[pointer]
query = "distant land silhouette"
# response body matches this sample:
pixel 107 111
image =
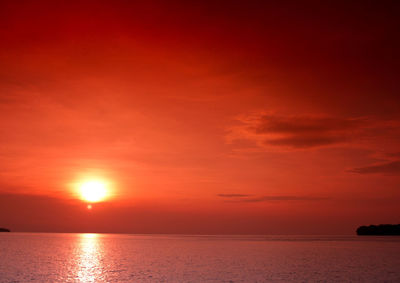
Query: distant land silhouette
pixel 4 230
pixel 379 230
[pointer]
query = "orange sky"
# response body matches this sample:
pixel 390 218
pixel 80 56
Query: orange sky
pixel 234 117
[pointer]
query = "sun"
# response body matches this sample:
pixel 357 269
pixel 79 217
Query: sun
pixel 93 191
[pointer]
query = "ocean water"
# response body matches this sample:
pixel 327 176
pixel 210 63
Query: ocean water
pixel 36 257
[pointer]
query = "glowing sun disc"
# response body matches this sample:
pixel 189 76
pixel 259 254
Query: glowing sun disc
pixel 93 191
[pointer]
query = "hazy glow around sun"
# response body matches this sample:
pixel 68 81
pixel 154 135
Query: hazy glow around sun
pixel 93 190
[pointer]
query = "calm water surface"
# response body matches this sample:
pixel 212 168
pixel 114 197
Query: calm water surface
pixel 34 257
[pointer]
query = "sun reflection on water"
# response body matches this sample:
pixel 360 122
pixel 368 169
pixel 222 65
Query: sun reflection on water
pixel 89 267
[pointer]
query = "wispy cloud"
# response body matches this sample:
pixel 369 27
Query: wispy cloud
pixel 273 198
pixel 297 132
pixel 387 168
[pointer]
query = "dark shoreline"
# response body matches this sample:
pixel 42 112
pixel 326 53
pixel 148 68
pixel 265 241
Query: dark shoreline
pixel 379 230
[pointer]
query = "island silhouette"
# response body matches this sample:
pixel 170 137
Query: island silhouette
pixel 379 230
pixel 4 230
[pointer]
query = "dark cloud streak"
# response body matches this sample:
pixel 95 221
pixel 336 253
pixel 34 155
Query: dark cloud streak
pixel 304 125
pixel 388 168
pixel 301 132
pixel 250 198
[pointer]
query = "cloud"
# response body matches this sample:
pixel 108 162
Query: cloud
pixel 250 198
pixel 304 141
pixel 394 155
pixel 284 198
pixel 388 168
pixel 303 125
pixel 297 132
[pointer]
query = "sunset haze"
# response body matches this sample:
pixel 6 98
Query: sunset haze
pixel 199 117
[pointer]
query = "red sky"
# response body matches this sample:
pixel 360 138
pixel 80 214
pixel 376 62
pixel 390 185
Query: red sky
pixel 231 117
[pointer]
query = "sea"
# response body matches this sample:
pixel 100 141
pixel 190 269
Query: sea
pixel 46 257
